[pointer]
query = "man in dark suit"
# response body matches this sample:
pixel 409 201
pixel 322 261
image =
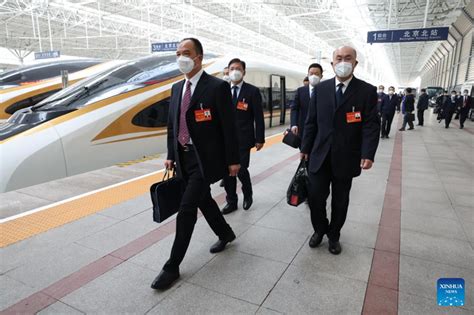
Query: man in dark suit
pixel 341 138
pixel 202 144
pixel 408 107
pixel 466 104
pixel 388 111
pixel 299 110
pixel 422 106
pixel 381 99
pixel 449 107
pixel 247 102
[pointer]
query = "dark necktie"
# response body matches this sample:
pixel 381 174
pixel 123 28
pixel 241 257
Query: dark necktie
pixel 234 94
pixel 339 94
pixel 183 132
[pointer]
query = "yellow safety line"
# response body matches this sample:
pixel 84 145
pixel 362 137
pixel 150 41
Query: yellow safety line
pixel 30 225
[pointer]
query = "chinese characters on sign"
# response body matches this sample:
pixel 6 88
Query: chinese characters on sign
pixel 408 35
pixel 169 46
pixel 47 54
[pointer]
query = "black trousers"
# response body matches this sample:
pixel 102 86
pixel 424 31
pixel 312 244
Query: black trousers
pixel 197 194
pixel 463 115
pixel 420 117
pixel 320 183
pixel 448 116
pixel 386 123
pixel 230 182
pixel 407 120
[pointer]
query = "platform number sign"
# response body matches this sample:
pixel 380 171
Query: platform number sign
pixel 168 46
pixel 408 35
pixel 47 54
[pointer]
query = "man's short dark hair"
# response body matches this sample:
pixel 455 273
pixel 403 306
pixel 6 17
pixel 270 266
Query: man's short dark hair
pixel 237 60
pixel 423 90
pixel 315 65
pixel 391 87
pixel 445 91
pixel 197 44
pixel 305 79
pixel 453 91
pixel 408 90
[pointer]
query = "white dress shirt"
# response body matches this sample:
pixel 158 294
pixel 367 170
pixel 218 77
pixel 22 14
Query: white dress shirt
pixel 239 87
pixel 346 83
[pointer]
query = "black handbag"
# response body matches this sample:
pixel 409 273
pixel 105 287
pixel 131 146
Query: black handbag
pixel 291 139
pixel 297 192
pixel 166 196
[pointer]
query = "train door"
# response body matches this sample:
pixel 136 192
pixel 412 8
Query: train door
pixel 277 100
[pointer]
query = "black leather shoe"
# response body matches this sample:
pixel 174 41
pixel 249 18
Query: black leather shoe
pixel 335 247
pixel 316 240
pixel 247 203
pixel 164 280
pixel 411 128
pixel 229 208
pixel 401 129
pixel 219 246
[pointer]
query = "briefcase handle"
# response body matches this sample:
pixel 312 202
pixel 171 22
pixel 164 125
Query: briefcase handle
pixel 167 175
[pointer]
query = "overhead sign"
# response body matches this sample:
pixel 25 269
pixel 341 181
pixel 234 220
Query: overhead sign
pixel 408 35
pixel 47 54
pixel 169 46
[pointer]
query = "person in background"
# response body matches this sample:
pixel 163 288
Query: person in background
pixel 458 105
pixel 381 99
pixel 247 103
pixel 449 107
pixel 388 111
pixel 299 110
pixel 340 139
pixel 202 145
pixel 422 106
pixel 466 104
pixel 408 107
pixel 225 75
pixel 305 81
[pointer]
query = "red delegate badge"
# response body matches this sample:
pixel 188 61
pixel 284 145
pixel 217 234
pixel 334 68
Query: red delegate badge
pixel 353 117
pixel 242 105
pixel 203 115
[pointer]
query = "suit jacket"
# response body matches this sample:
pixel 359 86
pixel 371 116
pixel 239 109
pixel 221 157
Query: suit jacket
pixel 327 129
pixel 450 105
pixel 469 103
pixel 250 122
pixel 423 101
pixel 215 141
pixel 299 110
pixel 409 104
pixel 390 105
pixel 381 101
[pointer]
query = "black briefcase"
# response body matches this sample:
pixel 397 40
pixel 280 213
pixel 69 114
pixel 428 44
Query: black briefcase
pixel 291 139
pixel 166 196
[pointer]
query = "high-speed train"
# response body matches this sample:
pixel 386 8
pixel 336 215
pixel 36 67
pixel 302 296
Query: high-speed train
pixel 26 86
pixel 118 115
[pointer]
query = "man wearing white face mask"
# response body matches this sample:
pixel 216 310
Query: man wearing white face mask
pixel 247 102
pixel 225 75
pixel 299 109
pixel 341 138
pixel 202 145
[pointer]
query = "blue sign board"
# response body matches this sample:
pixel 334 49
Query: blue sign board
pixel 408 35
pixel 47 54
pixel 169 46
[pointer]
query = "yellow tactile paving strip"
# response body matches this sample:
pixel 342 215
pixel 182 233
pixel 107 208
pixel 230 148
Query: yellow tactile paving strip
pixel 25 227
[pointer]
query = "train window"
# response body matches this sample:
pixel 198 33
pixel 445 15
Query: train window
pixel 155 115
pixel 28 102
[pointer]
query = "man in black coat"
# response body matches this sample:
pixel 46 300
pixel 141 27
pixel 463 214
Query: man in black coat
pixel 381 99
pixel 247 103
pixel 422 106
pixel 341 138
pixel 388 111
pixel 202 144
pixel 299 110
pixel 408 107
pixel 449 107
pixel 466 104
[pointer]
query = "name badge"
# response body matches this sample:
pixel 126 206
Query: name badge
pixel 353 117
pixel 242 105
pixel 203 115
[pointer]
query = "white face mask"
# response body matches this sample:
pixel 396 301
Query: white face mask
pixel 380 91
pixel 343 69
pixel 235 75
pixel 390 92
pixel 185 64
pixel 314 79
pixel 226 78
